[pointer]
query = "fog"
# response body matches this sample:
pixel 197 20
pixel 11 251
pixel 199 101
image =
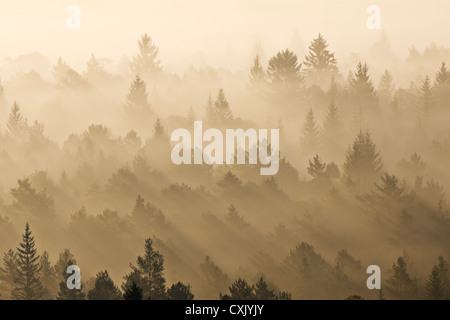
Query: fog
pixel 86 117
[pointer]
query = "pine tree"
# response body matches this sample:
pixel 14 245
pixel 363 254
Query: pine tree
pixel 146 61
pixel 239 290
pixel 180 291
pixel 262 291
pixel 27 283
pixel 133 293
pixel 47 277
pixel 65 259
pixel 215 279
pixel 400 284
pixel 310 137
pixel 159 132
pixel 385 89
pixel 434 286
pixel 441 87
pixel 257 75
pixel 104 288
pixel 64 292
pixel 137 95
pixel 332 126
pixel 284 69
pixel 320 63
pixel 94 67
pixel 16 123
pixel 316 168
pixel 148 273
pixel 222 108
pixel 443 268
pixel 362 89
pixel 8 273
pixel 362 161
pixel 426 96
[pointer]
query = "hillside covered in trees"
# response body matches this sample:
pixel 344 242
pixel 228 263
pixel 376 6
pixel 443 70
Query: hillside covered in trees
pixel 86 178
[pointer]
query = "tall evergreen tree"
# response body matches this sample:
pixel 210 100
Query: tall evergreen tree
pixel 443 268
pixel 133 292
pixel 27 283
pixel 362 161
pixel 426 96
pixel 257 75
pixel 16 123
pixel 385 89
pixel 442 76
pixel 180 291
pixel 216 279
pixel 262 291
pixel 47 277
pixel 361 88
pixel 65 259
pixel 137 95
pixel 148 273
pixel 64 292
pixel 332 129
pixel 441 86
pixel 146 61
pixel 239 290
pixel 222 108
pixel 316 168
pixel 310 139
pixel 8 273
pixel 434 286
pixel 400 284
pixel 320 63
pixel 104 288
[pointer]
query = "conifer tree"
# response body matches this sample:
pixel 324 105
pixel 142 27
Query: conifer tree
pixel 400 284
pixel 284 69
pixel 222 108
pixel 443 268
pixel 104 288
pixel 441 86
pixel 434 286
pixel 8 273
pixel 146 61
pixel 426 96
pixel 64 292
pixel 442 76
pixel 363 162
pixel 257 75
pixel 320 63
pixel 137 95
pixel 47 277
pixel 262 291
pixel 65 259
pixel 239 290
pixel 332 126
pixel 148 273
pixel 362 89
pixel 216 279
pixel 27 283
pixel 310 137
pixel 385 89
pixel 180 291
pixel 133 293
pixel 316 168
pixel 16 123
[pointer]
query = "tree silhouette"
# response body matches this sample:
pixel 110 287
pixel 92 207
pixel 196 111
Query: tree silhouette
pixel 137 95
pixel 133 293
pixel 310 139
pixel 320 63
pixel 27 283
pixel 426 96
pixel 64 292
pixel 8 272
pixel 180 291
pixel 262 291
pixel 146 61
pixel 239 290
pixel 362 89
pixel 148 273
pixel 16 123
pixel 104 288
pixel 257 75
pixel 47 277
pixel 434 286
pixel 400 284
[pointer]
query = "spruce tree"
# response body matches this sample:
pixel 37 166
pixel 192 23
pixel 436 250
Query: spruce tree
pixel 442 76
pixel 310 135
pixel 137 95
pixel 64 292
pixel 400 284
pixel 316 168
pixel 8 272
pixel 47 277
pixel 434 286
pixel 257 75
pixel 216 279
pixel 133 292
pixel 180 291
pixel 441 86
pixel 332 133
pixel 426 96
pixel 27 283
pixel 222 108
pixel 362 161
pixel 362 90
pixel 262 291
pixel 16 123
pixel 146 61
pixel 148 273
pixel 284 69
pixel 320 63
pixel 104 288
pixel 239 290
pixel 443 268
pixel 385 89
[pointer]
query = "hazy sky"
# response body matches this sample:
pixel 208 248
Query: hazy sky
pixel 224 31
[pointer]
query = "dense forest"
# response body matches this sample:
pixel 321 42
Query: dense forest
pixel 87 178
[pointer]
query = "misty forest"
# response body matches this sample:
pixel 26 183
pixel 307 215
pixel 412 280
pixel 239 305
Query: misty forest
pixel 87 178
